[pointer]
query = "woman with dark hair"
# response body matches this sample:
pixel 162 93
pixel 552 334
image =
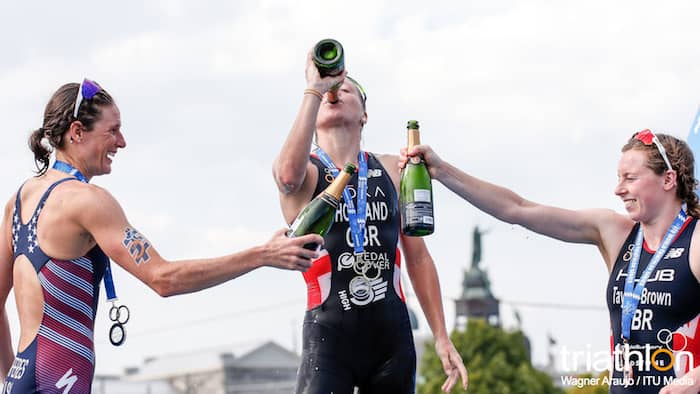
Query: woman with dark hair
pixel 59 233
pixel 652 255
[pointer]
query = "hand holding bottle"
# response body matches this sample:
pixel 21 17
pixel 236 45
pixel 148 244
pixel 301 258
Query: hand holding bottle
pixel 416 191
pixel 318 216
pixel 430 158
pixel 289 253
pixel 315 81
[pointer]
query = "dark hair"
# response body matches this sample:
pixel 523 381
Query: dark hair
pixel 58 116
pixel 682 161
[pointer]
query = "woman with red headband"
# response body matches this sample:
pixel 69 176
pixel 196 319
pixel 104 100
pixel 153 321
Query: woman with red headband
pixel 652 255
pixel 59 233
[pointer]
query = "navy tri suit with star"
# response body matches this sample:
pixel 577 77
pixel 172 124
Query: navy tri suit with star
pixel 61 357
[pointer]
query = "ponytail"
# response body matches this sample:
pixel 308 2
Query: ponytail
pixel 42 152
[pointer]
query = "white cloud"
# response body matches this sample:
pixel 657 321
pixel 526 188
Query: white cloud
pixel 538 96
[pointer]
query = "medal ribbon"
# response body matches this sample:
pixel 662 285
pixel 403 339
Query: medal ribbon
pixel 357 218
pixel 633 293
pixel 70 170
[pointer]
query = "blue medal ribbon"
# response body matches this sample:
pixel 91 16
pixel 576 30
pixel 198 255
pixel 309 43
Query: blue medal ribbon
pixel 70 170
pixel 109 282
pixel 357 218
pixel 633 293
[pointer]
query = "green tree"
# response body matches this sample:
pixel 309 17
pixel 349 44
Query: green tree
pixel 497 361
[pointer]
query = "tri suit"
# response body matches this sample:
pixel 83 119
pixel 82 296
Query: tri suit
pixel 61 357
pixel 356 328
pixel 665 331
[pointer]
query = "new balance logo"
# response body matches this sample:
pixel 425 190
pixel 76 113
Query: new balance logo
pixel 67 381
pixel 674 253
pixel 374 173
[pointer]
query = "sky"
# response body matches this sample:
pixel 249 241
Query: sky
pixel 538 96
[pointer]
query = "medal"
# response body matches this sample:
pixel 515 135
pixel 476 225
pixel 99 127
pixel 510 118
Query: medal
pixel 362 266
pixel 119 315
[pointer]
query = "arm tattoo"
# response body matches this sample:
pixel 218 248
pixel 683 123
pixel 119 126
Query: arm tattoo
pixel 137 245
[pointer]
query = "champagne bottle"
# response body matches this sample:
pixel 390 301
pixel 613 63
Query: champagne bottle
pixel 416 191
pixel 329 58
pixel 318 216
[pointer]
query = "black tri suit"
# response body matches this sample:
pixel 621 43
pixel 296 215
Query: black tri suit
pixel 356 328
pixel 665 331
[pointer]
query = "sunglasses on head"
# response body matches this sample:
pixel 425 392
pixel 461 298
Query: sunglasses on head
pixel 87 90
pixel 648 138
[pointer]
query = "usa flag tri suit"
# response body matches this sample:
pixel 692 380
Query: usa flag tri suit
pixel 61 357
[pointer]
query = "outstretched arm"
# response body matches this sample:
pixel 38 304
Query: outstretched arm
pixel 601 227
pixel 104 219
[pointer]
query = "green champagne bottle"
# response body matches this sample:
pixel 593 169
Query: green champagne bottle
pixel 318 216
pixel 329 58
pixel 416 191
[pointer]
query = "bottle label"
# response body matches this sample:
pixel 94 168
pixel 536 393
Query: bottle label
pixel 418 213
pixel 421 195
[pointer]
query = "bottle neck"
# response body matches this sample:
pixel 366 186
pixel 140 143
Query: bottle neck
pixel 335 189
pixel 413 138
pixel 334 202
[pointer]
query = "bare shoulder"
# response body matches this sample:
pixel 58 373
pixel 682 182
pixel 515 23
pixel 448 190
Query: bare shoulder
pixel 84 193
pixel 100 194
pixel 6 260
pixel 6 222
pixel 87 201
pixel 391 164
pixel 613 229
pixel 387 160
pixel 10 205
pixel 610 220
pixel 100 198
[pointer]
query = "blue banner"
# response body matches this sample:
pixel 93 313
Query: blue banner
pixel 694 143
